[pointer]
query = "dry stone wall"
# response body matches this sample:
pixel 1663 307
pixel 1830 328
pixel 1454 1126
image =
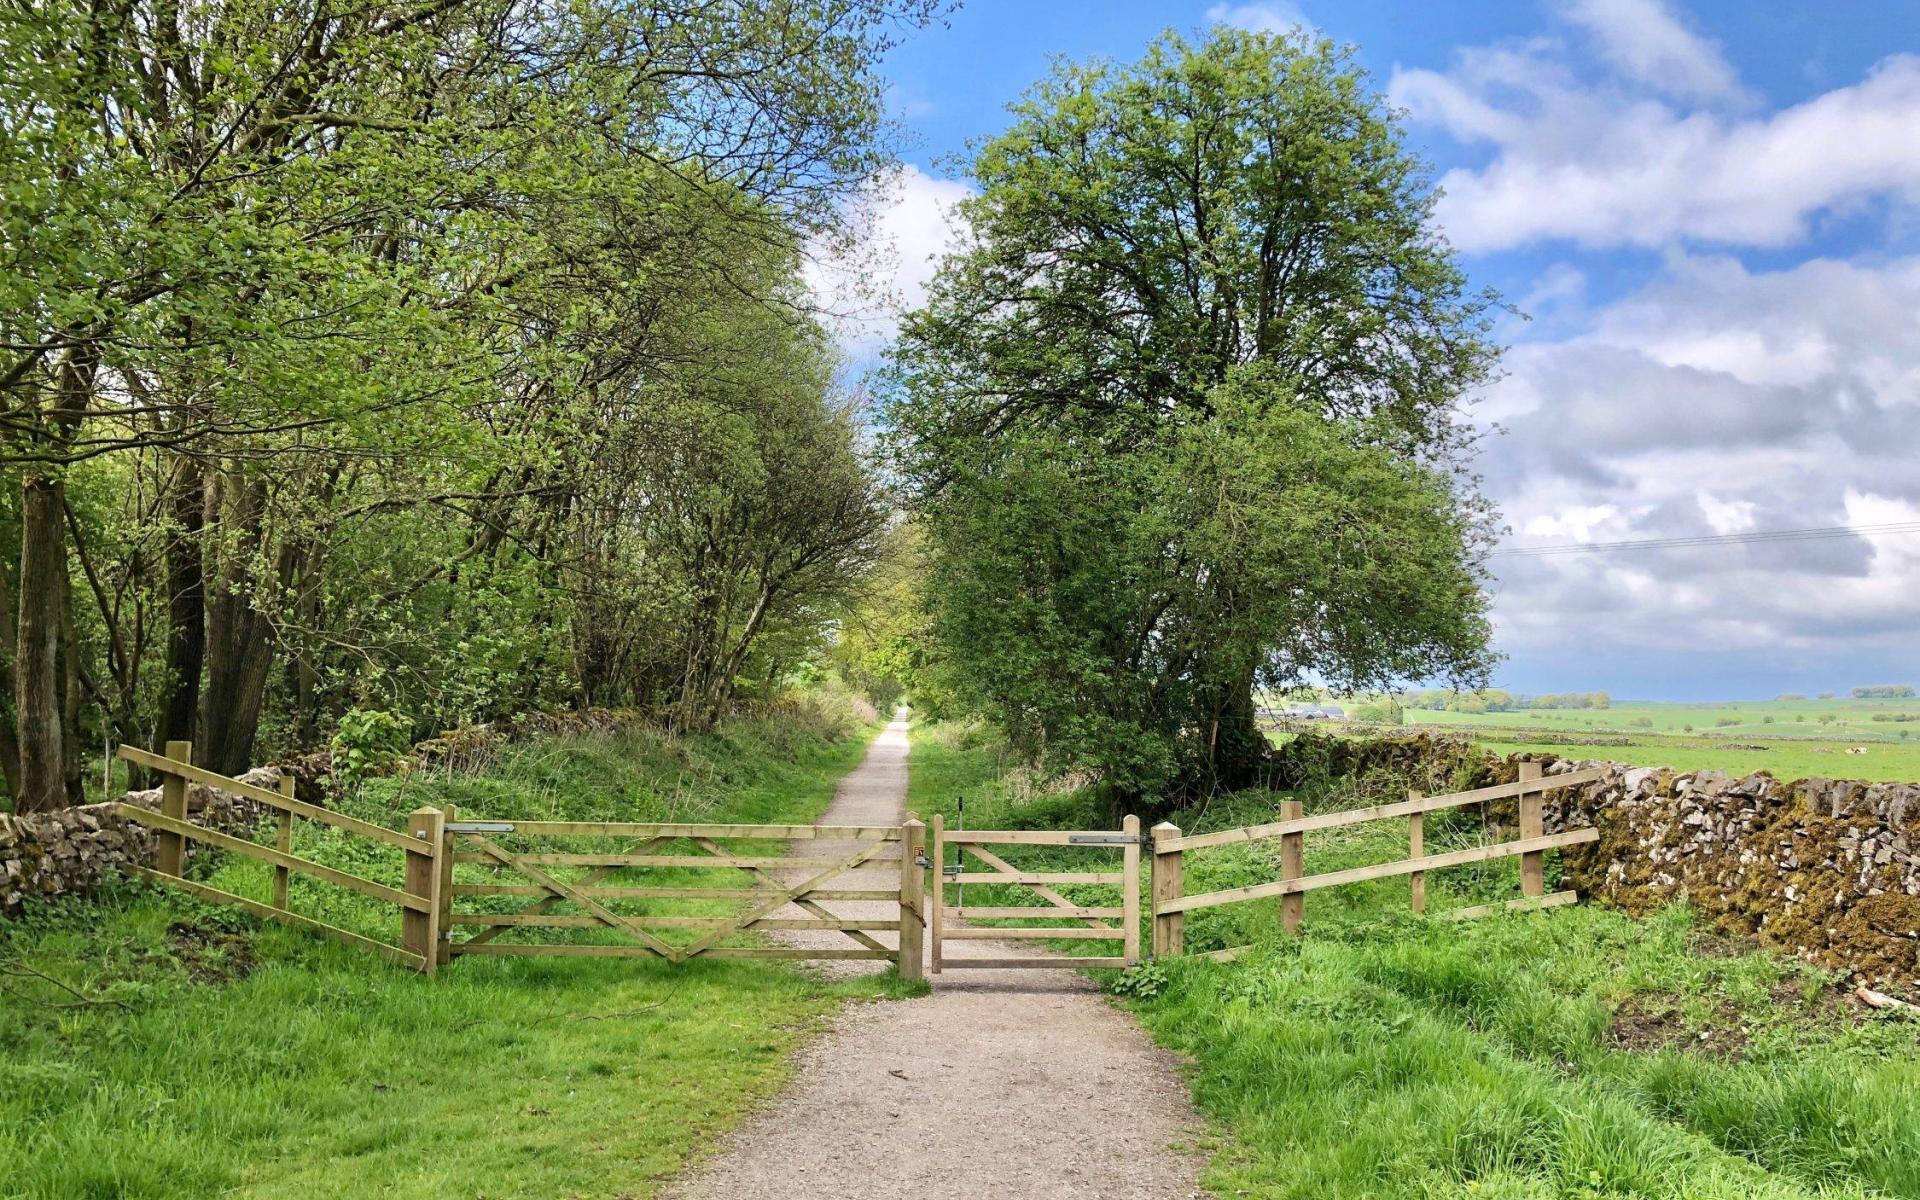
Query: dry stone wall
pixel 72 850
pixel 1828 869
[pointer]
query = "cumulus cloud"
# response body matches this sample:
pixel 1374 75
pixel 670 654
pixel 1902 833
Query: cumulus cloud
pixel 899 230
pixel 1642 156
pixel 1644 41
pixel 1718 399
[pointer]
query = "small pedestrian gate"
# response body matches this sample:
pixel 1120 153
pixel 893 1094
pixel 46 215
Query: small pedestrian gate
pixel 1092 922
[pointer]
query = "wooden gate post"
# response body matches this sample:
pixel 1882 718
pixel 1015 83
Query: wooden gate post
pixel 283 840
pixel 1533 824
pixel 1169 928
pixel 936 912
pixel 1293 865
pixel 913 837
pixel 170 849
pixel 1417 848
pixel 1130 891
pixel 420 928
pixel 443 944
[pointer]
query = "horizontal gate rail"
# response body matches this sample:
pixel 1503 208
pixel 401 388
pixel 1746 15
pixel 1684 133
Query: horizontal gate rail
pixel 645 829
pixel 739 862
pixel 604 892
pixel 1093 919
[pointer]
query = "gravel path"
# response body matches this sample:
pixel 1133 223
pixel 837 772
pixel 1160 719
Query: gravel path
pixel 1019 1085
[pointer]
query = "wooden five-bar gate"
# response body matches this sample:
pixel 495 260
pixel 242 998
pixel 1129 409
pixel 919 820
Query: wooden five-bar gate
pixel 514 876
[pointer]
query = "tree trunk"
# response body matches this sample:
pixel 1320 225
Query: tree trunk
pixel 72 765
pixel 186 605
pixel 1237 751
pixel 38 699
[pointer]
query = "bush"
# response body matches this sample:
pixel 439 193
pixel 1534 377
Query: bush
pixel 369 742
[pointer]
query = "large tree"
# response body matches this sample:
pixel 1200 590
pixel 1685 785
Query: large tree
pixel 1183 414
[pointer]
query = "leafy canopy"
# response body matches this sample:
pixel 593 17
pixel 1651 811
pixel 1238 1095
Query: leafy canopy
pixel 1182 417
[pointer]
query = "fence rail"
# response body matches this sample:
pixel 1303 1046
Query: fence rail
pixel 418 900
pixel 1171 903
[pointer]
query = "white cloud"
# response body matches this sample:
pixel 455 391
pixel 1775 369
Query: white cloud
pixel 1644 41
pixel 1718 399
pixel 1262 16
pixel 1618 162
pixel 901 228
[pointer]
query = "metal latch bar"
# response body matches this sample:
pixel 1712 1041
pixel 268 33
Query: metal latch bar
pixel 479 826
pixel 1106 839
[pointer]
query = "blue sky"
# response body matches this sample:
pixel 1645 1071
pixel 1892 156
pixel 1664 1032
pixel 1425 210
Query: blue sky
pixel 1711 212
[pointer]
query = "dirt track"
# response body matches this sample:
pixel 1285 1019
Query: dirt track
pixel 1021 1085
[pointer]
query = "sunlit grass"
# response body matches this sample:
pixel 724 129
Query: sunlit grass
pixel 218 1056
pixel 1387 1055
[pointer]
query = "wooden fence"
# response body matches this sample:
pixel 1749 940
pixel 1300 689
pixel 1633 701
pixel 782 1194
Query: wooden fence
pixel 417 901
pixel 434 843
pixel 1171 903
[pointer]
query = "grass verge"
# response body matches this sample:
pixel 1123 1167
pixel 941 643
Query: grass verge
pixel 1572 1053
pixel 200 1053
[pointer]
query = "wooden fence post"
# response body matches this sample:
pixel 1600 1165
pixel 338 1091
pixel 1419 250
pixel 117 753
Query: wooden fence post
pixel 1293 865
pixel 443 945
pixel 1169 928
pixel 936 912
pixel 912 899
pixel 283 840
pixel 1417 848
pixel 170 849
pixel 420 928
pixel 1533 865
pixel 1130 891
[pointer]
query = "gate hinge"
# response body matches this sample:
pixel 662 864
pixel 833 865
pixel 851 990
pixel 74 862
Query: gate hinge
pixel 921 860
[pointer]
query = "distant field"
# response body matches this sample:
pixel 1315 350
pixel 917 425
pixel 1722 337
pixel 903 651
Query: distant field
pixel 1791 738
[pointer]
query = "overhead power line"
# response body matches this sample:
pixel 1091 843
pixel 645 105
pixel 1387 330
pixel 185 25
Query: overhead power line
pixel 1746 538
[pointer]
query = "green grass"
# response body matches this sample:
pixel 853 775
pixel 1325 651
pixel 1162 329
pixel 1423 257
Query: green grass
pixel 1791 738
pixel 222 1057
pixel 1554 1054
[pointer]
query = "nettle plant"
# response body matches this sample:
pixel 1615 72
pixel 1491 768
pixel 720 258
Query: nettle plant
pixel 369 741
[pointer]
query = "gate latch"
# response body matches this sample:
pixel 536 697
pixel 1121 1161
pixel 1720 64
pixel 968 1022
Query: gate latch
pixel 1107 839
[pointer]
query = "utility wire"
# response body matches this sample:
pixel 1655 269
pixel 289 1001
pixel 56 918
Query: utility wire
pixel 1747 538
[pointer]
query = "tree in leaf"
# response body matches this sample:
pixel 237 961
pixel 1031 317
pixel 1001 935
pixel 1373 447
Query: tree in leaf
pixel 1183 416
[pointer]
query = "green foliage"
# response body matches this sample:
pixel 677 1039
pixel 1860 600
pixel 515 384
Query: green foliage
pixel 368 741
pixel 1142 981
pixel 1161 476
pixel 450 361
pixel 1889 691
